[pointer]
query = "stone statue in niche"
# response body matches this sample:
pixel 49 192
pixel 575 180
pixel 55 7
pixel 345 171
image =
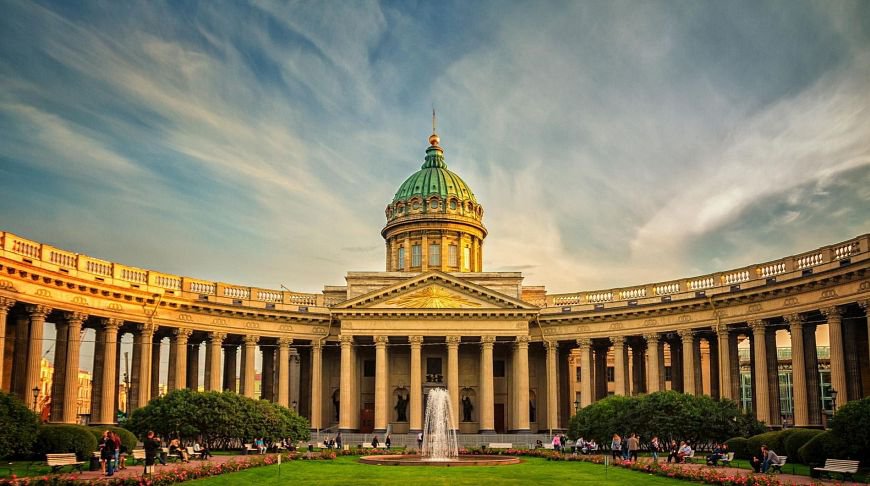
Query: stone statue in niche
pixel 467 408
pixel 401 409
pixel 336 402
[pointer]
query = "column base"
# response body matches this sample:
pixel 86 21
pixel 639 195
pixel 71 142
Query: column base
pixel 351 431
pixel 486 431
pixel 379 431
pixel 521 431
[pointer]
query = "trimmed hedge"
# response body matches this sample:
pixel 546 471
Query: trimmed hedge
pixel 127 437
pixel 797 439
pixel 821 447
pixel 739 446
pixel 61 438
pixel 770 439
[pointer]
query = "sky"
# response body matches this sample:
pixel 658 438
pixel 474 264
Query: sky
pixel 611 143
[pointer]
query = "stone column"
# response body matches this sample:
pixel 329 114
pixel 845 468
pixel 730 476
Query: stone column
pixel 70 386
pixel 231 353
pixel 863 304
pixel 181 336
pixel 652 356
pixel 345 419
pixel 688 338
pixel 838 362
pixel 155 366
pixel 250 354
pixel 585 372
pixel 284 371
pixel 453 376
pixel 381 405
pixel 267 384
pixel 760 385
pixel 424 250
pixel 19 364
pixel 110 361
pixel 724 364
pixel 146 341
pixel 5 304
pixel 522 384
pixel 619 364
pixel 294 378
pixel 192 379
pixel 416 418
pixel 61 346
pixel 38 313
pixel 487 392
pixel 316 384
pixel 798 370
pixel 216 340
pixel 811 363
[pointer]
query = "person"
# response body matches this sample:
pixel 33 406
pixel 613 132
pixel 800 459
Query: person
pixel 151 446
pixel 771 459
pixel 615 446
pixel 122 452
pixel 388 441
pixel 419 441
pixel 107 452
pixel 580 445
pixel 338 441
pixel 633 446
pixel 261 445
pixel 684 452
pixel 161 454
pixel 625 448
pixel 715 455
pixel 592 446
pixel 757 460
pixel 176 449
pixel 202 450
pixel 557 443
pixel 539 444
pixel 654 447
pixel 673 452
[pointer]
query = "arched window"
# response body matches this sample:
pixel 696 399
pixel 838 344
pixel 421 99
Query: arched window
pixel 453 204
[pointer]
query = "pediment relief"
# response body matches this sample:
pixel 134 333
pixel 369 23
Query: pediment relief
pixel 433 297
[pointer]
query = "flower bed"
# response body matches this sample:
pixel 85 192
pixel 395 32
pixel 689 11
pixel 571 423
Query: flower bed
pixel 164 478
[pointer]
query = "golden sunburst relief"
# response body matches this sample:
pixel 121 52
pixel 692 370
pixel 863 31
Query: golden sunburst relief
pixel 433 298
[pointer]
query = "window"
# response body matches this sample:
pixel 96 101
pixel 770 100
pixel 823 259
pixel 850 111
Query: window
pixel 498 368
pixel 416 255
pixel 668 373
pixel 433 204
pixel 578 373
pixel 434 254
pixel 452 256
pixel 611 374
pixel 453 207
pixel 368 368
pixel 466 258
pixel 433 366
pixel 401 265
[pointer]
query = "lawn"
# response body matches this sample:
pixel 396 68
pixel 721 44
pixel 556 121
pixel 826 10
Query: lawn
pixel 346 470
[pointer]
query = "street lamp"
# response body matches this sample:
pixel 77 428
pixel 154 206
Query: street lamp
pixel 294 405
pixel 576 406
pixel 35 396
pixel 833 400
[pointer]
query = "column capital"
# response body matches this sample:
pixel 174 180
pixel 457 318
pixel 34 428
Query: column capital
pixel 654 337
pixel 581 343
pixel 487 341
pixel 346 340
pixel 381 341
pixel 251 340
pixel 217 336
pixel 182 334
pixel 863 303
pixel 6 303
pixel 723 331
pixel 416 341
pixel 316 345
pixel 111 324
pixel 523 340
pixel 285 342
pixel 686 334
pixel 831 312
pixel 758 326
pixel 618 341
pixel 78 317
pixel 794 320
pixel 453 341
pixel 38 311
pixel 551 345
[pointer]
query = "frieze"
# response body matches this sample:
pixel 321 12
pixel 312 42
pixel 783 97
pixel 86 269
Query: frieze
pixel 320 330
pixel 650 322
pixel 864 287
pixel 185 317
pixel 285 328
pixel 582 328
pixel 80 300
pixel 790 302
pixel 549 331
pixel 219 321
pixel 616 326
pixel 754 308
pixel 828 294
pixel 720 313
pixel 684 318
pixel 43 293
pixel 7 285
pixel 252 325
pixel 115 307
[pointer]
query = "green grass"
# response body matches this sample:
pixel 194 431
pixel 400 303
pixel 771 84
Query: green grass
pixel 346 470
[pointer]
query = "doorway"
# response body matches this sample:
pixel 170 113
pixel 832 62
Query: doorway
pixel 367 419
pixel 499 418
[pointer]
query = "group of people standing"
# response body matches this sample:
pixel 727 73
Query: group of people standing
pixel 113 453
pixel 625 448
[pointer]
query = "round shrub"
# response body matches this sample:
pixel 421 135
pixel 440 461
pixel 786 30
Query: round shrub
pixel 851 426
pixel 739 446
pixel 127 438
pixel 796 440
pixel 18 424
pixel 62 438
pixel 770 439
pixel 821 447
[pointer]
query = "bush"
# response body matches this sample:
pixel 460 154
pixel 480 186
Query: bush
pixel 851 426
pixel 127 438
pixel 821 447
pixel 773 440
pixel 739 446
pixel 796 440
pixel 18 424
pixel 61 438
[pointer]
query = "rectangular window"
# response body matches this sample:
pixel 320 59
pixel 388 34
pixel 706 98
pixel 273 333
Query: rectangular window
pixel 668 373
pixel 368 368
pixel 498 368
pixel 578 373
pixel 434 254
pixel 401 262
pixel 433 366
pixel 452 256
pixel 466 258
pixel 611 374
pixel 416 256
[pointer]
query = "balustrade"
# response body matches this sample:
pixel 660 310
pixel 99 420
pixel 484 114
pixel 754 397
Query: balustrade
pixel 808 261
pixel 669 288
pixel 771 269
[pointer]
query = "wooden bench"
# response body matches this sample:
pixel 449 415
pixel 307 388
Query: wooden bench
pixel 726 461
pixel 500 445
pixel 192 453
pixel 842 466
pixel 549 445
pixel 249 448
pixel 778 467
pixel 138 456
pixel 57 461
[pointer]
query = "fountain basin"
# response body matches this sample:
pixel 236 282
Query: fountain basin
pixel 417 460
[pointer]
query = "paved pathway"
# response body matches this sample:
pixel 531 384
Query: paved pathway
pixel 135 471
pixel 792 478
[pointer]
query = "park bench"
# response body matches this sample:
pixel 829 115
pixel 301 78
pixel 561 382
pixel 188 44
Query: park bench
pixel 842 466
pixel 57 461
pixel 500 445
pixel 192 453
pixel 250 449
pixel 548 445
pixel 726 461
pixel 138 456
pixel 778 467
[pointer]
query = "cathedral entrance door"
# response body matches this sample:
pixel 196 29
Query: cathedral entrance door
pixel 499 418
pixel 367 419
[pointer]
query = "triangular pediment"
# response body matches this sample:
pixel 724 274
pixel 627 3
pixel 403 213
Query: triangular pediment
pixel 435 290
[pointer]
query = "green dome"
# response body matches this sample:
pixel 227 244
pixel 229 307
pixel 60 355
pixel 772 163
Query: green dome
pixel 434 178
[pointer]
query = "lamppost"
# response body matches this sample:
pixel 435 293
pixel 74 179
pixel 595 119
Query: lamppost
pixel 35 397
pixel 576 406
pixel 833 401
pixel 294 406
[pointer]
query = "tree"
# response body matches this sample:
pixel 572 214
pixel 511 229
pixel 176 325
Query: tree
pixel 851 426
pixel 217 418
pixel 18 424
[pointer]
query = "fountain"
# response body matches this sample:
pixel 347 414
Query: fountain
pixel 440 446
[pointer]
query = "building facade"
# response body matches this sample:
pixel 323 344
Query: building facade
pixel 514 358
